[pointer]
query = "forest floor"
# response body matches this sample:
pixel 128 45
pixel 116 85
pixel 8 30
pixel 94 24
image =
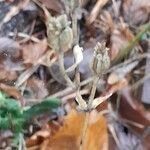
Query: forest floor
pixel 74 75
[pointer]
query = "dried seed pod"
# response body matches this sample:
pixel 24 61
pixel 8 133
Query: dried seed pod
pixel 101 60
pixel 66 39
pixel 60 36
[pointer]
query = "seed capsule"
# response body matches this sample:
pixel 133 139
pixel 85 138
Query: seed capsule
pixel 60 36
pixel 101 60
pixel 66 39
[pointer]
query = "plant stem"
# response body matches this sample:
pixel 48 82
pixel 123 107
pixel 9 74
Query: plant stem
pixel 63 71
pixel 95 80
pixel 84 131
pixel 91 98
pixel 75 29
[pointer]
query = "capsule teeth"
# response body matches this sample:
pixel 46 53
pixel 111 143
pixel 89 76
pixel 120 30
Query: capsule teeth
pixel 100 61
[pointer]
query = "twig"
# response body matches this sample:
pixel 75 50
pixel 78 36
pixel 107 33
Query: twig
pixel 70 89
pixel 133 123
pixel 73 95
pixel 25 75
pixel 26 36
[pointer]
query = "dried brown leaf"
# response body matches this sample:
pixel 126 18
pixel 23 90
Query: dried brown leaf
pixel 95 11
pixel 46 131
pixel 53 5
pixel 136 11
pixel 132 110
pixel 9 47
pixel 119 35
pixel 11 91
pixel 119 39
pixel 105 23
pixel 14 11
pixel 120 73
pixel 118 86
pixel 9 68
pixel 7 74
pixel 68 137
pixel 32 52
pixel 37 138
pixel 97 138
pixel 37 87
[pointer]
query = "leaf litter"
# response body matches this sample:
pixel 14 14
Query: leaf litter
pixel 32 74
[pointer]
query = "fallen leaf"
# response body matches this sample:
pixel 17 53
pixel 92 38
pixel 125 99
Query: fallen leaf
pixel 136 12
pixel 53 5
pixel 9 47
pixel 125 140
pixel 132 110
pixel 97 138
pixel 68 137
pixel 110 90
pixel 117 86
pixel 37 138
pixel 11 91
pixel 32 52
pixel 48 59
pixel 105 22
pixel 95 11
pixel 119 73
pixel 37 88
pixel 46 131
pixel 7 74
pixel 119 35
pixel 136 111
pixel 119 39
pixel 145 92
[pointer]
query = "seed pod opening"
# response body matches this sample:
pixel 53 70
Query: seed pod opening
pixel 101 60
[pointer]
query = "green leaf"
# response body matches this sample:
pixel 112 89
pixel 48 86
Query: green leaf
pixel 45 106
pixel 13 117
